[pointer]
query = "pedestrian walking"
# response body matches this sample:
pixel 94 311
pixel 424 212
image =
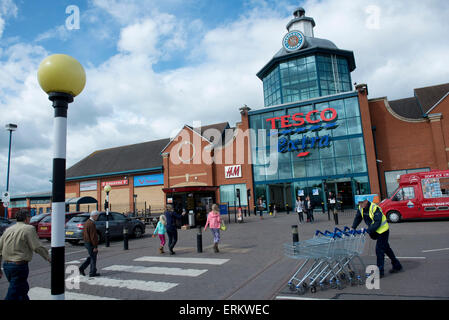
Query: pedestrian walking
pixel 17 245
pixel 378 229
pixel 261 206
pixel 90 237
pixel 299 209
pixel 214 223
pixel 331 206
pixel 309 209
pixel 160 230
pixel 172 231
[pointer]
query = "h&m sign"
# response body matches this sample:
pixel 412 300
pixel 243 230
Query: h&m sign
pixel 233 171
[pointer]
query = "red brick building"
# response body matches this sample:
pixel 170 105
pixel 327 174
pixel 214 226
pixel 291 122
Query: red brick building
pixel 209 164
pixel 410 134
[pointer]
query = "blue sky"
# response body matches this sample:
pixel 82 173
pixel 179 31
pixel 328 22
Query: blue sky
pixel 153 66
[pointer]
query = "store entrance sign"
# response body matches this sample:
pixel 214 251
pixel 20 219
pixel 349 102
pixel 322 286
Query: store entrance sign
pixel 123 182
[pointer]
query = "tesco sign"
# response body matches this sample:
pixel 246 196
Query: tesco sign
pixel 298 123
pixel 299 119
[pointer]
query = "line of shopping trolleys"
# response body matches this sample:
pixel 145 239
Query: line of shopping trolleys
pixel 331 260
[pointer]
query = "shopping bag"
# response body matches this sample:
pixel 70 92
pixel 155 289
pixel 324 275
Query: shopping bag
pixel 223 227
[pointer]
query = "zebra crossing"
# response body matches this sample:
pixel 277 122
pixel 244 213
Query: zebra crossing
pixel 158 266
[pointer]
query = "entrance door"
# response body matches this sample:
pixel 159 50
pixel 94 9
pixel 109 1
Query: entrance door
pixel 278 195
pixel 344 194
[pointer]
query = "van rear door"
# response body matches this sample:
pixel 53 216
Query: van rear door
pixel 406 200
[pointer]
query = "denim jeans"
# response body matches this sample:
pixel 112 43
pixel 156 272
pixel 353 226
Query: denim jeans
pixel 17 275
pixel 382 249
pixel 92 259
pixel 172 238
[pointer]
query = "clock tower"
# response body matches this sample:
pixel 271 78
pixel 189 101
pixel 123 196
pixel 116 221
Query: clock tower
pixel 305 67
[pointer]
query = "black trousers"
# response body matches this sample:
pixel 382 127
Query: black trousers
pixel 172 238
pixel 382 249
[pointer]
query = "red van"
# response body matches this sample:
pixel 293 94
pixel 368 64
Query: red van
pixel 419 195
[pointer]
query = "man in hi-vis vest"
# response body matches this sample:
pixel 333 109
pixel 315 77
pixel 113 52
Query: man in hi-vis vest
pixel 378 227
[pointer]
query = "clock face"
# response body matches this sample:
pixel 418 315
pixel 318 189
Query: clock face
pixel 294 40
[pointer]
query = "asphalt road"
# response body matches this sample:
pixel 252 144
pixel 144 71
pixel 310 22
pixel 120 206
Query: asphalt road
pixel 251 265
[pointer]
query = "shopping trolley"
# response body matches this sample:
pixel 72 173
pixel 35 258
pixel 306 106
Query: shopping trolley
pixel 329 259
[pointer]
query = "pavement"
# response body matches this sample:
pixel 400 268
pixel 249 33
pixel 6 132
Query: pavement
pixel 251 265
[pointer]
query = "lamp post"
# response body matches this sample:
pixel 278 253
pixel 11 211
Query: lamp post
pixel 9 127
pixel 62 78
pixel 107 189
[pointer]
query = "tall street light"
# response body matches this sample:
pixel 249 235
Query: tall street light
pixel 62 78
pixel 9 127
pixel 107 189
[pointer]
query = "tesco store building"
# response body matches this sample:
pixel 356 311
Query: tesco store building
pixel 309 100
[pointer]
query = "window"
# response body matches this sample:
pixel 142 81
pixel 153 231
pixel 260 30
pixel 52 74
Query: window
pixel 118 216
pixel 228 194
pixel 407 193
pixel 102 217
pixel 435 187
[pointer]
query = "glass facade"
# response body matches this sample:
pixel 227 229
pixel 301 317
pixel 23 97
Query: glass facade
pixel 306 78
pixel 336 148
pixel 228 194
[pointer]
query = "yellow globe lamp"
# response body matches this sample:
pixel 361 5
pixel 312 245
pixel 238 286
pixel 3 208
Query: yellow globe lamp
pixel 61 73
pixel 107 188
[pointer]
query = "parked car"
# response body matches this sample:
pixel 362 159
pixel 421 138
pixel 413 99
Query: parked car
pixel 38 218
pixel 117 221
pixel 44 226
pixel 5 223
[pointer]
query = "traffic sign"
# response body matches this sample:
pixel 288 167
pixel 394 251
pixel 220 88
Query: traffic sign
pixel 5 196
pixel 6 204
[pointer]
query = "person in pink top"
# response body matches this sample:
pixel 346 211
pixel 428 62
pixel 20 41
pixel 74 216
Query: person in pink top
pixel 214 223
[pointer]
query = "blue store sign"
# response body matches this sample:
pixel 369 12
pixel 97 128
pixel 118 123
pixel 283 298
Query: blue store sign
pixel 149 180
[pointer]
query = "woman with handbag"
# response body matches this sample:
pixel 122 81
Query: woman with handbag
pixel 214 222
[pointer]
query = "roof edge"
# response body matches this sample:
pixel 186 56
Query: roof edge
pixel 114 173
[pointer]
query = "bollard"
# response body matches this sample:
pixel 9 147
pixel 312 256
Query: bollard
pixel 199 240
pixel 125 238
pixel 295 233
pixel 288 208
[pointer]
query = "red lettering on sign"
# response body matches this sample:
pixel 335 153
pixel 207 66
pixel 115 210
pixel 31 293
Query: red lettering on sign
pixel 296 117
pixel 273 122
pixel 309 115
pixel 284 122
pixel 323 114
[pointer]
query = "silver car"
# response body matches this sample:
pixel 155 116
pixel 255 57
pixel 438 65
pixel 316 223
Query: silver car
pixel 117 221
pixel 5 223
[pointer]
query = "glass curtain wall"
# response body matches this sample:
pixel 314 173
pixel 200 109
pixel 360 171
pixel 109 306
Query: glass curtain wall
pixel 306 78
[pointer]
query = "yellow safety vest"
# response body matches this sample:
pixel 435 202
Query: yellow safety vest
pixel 384 224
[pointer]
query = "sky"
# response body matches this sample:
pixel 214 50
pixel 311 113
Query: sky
pixel 153 66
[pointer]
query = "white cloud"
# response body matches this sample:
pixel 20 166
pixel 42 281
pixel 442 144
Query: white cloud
pixel 7 9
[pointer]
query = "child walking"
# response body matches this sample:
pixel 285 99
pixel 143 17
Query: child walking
pixel 214 223
pixel 161 230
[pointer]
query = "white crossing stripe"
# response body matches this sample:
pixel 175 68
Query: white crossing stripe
pixel 154 286
pixel 158 270
pixel 73 262
pixel 38 293
pixel 211 261
pixel 435 250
